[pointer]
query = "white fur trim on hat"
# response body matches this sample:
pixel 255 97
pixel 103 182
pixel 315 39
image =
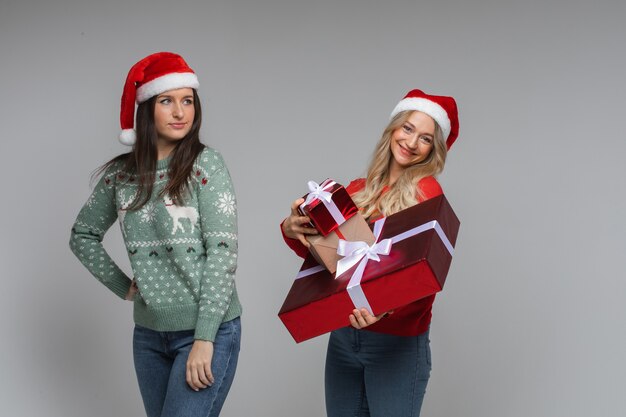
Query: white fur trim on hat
pixel 128 137
pixel 434 110
pixel 165 83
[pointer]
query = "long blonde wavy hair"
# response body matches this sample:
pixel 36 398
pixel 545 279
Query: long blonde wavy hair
pixel 402 194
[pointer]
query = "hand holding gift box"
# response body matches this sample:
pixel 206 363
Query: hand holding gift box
pixel 320 204
pixel 409 261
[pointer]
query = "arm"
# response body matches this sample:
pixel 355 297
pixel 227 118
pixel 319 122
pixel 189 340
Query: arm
pixel 218 223
pixel 94 219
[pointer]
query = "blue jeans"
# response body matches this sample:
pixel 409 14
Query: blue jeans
pixel 375 374
pixel 160 363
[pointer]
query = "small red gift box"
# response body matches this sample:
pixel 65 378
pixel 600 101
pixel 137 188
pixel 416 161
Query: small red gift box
pixel 328 205
pixel 409 261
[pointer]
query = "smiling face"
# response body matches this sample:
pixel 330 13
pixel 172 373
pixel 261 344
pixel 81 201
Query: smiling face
pixel 412 142
pixel 174 113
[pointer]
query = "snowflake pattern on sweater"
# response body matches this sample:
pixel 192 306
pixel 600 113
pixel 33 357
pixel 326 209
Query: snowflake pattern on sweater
pixel 183 257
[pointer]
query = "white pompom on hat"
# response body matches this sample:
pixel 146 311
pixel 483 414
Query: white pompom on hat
pixel 153 75
pixel 441 108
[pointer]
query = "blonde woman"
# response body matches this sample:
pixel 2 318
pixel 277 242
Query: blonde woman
pixel 381 365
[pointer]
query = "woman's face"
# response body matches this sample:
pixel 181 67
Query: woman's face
pixel 413 141
pixel 174 112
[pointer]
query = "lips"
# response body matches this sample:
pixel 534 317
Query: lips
pixel 177 125
pixel 406 152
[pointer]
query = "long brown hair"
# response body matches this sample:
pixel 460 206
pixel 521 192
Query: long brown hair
pixel 402 193
pixel 141 162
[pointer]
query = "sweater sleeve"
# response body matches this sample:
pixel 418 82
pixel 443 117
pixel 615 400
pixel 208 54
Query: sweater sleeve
pixel 218 222
pixel 93 221
pixel 430 188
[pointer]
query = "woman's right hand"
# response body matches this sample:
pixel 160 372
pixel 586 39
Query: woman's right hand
pixel 130 295
pixel 294 226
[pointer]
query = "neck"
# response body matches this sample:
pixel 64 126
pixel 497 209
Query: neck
pixel 395 171
pixel 164 150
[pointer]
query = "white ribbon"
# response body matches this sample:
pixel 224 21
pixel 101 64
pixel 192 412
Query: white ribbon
pixel 361 253
pixel 318 192
pixel 310 271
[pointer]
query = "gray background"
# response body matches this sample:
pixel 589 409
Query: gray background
pixel 532 319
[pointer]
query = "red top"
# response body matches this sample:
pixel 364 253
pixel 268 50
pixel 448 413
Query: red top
pixel 409 320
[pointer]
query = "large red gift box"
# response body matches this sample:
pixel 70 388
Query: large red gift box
pixel 328 205
pixel 414 250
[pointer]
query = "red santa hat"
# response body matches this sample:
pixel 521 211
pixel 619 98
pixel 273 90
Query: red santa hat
pixel 153 75
pixel 442 109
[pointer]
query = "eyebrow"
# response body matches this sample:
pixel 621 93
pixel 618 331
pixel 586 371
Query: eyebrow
pixel 170 96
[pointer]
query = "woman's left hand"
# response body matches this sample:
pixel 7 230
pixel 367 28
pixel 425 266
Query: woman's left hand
pixel 199 375
pixel 362 318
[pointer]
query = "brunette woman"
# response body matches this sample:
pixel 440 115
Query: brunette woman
pixel 175 203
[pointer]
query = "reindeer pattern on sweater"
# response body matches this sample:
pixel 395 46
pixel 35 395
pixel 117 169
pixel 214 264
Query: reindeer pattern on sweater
pixel 183 256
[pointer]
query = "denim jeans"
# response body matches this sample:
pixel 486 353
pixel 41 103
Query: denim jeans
pixel 375 374
pixel 160 363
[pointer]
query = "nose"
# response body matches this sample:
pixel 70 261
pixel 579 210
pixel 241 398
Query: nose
pixel 178 110
pixel 411 141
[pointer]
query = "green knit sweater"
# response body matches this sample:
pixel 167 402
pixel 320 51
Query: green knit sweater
pixel 183 258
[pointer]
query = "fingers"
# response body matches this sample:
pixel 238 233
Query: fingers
pixel 295 227
pixel 208 374
pixel 199 376
pixel 353 322
pixel 303 240
pixel 194 379
pixel 198 369
pixel 295 205
pixel 362 318
pixel 296 219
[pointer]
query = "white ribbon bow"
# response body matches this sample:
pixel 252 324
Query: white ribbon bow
pixel 361 253
pixel 353 252
pixel 317 191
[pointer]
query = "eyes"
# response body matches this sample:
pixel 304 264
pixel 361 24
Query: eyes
pixel 409 130
pixel 426 139
pixel 168 100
